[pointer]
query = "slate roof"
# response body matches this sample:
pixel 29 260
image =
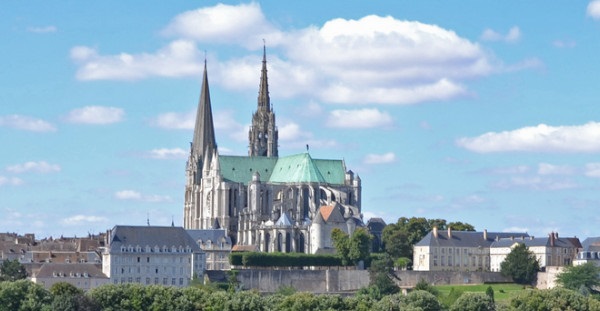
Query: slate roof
pixel 591 244
pixel 534 242
pixel 213 235
pixel 70 270
pixel 284 221
pixel 465 238
pixel 299 168
pixel 151 236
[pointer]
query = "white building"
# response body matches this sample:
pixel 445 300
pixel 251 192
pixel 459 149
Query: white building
pixel 448 250
pixel 216 245
pixel 590 252
pixel 550 251
pixel 152 255
pixel 84 276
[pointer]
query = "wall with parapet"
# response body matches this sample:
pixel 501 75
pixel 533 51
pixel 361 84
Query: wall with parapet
pixel 349 281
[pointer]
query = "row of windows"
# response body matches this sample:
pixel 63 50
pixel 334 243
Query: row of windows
pixel 148 281
pixel 450 261
pixel 148 270
pixel 148 259
pixel 155 249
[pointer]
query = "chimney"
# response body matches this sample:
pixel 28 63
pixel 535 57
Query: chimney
pixel 485 234
pixel 552 239
pixel 435 233
pixel 449 232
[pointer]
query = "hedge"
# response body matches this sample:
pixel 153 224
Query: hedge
pixel 258 259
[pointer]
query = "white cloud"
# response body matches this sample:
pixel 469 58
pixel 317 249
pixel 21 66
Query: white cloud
pixel 537 183
pixel 10 181
pixel 44 29
pixel 180 58
pixel 165 153
pixel 373 59
pixel 26 123
pixel 242 24
pixel 96 115
pixel 567 43
pixel 593 9
pixel 513 35
pixel 360 118
pixel 81 219
pixel 385 158
pixel 292 131
pixel 541 138
pixel 549 169
pixel 175 120
pixel 510 170
pixel 132 195
pixel 37 167
pixel 592 170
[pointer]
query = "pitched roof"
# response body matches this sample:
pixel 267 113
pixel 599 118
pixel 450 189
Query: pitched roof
pixel 331 213
pixel 465 238
pixel 151 236
pixel 299 168
pixel 70 270
pixel 213 235
pixel 535 242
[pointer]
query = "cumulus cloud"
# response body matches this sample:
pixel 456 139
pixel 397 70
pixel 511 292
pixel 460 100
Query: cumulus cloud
pixel 36 167
pixel 373 59
pixel 385 158
pixel 132 195
pixel 26 123
pixel 180 58
pixel 43 29
pixel 242 24
pixel 165 153
pixel 175 120
pixel 360 118
pixel 10 181
pixel 513 35
pixel 96 115
pixel 541 138
pixel 593 9
pixel 81 219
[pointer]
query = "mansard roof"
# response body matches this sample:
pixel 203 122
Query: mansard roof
pixel 536 242
pixel 214 235
pixel 150 236
pixel 299 168
pixel 465 238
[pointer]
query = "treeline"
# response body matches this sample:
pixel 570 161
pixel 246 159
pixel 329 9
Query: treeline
pixel 25 295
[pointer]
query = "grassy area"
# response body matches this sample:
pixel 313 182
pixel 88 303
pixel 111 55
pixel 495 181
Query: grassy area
pixel 502 292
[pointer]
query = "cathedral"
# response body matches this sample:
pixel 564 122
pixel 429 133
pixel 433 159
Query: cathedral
pixel 265 201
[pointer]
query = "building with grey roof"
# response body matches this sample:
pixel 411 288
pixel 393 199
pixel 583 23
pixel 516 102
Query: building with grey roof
pixel 216 245
pixel 264 199
pixel 552 250
pixel 449 250
pixel 590 252
pixel 152 255
pixel 84 276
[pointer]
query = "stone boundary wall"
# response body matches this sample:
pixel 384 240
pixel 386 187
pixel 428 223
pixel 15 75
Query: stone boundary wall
pixel 349 281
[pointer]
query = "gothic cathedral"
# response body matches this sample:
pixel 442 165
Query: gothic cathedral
pixel 264 201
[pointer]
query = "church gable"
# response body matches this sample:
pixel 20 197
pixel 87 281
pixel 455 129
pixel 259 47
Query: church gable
pixel 331 214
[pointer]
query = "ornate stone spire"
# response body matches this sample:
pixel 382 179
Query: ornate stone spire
pixel 204 131
pixel 263 134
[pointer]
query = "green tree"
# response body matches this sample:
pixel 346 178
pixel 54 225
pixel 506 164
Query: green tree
pixel 471 301
pixel 12 270
pixel 460 226
pixel 381 278
pixel 402 263
pixel 23 295
pixel 489 291
pixel 351 249
pixel 423 285
pixel 575 277
pixel 520 264
pixel 554 299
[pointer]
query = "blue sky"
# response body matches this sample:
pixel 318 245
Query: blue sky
pixel 484 112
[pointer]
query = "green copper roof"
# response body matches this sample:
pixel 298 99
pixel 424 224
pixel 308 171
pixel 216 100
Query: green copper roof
pixel 299 168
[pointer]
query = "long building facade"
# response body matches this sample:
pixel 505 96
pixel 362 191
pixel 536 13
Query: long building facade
pixel 262 199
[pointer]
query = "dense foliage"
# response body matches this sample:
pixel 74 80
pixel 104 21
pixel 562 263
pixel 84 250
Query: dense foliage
pixel 520 264
pixel 351 249
pixel 582 277
pixel 12 270
pixel 25 295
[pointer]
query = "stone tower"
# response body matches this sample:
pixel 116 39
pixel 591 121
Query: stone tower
pixel 263 134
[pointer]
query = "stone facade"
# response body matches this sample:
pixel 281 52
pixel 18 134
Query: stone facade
pixel 263 199
pixel 152 255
